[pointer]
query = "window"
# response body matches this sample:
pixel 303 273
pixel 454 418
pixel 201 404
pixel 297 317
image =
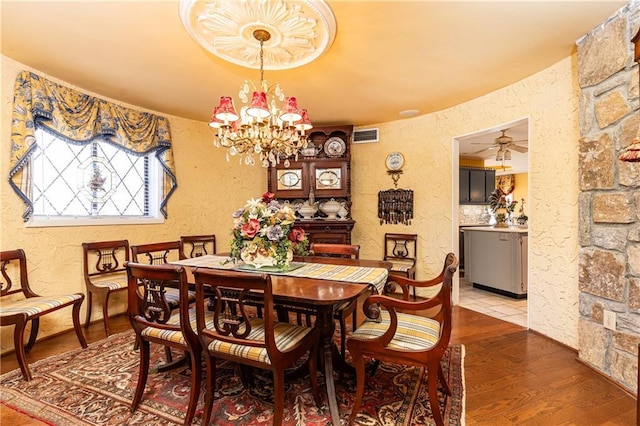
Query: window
pixel 92 183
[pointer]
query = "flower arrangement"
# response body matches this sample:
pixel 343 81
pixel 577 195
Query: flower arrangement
pixel 264 233
pixel 501 207
pixel 522 217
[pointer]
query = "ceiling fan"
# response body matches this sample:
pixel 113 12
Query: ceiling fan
pixel 503 144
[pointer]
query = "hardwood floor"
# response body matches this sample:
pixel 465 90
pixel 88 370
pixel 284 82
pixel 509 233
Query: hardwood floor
pixel 513 376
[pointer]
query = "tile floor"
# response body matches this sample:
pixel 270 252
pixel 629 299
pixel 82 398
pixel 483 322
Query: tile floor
pixel 494 305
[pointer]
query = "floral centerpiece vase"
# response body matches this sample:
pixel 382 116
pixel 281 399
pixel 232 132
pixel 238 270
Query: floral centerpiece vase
pixel 264 235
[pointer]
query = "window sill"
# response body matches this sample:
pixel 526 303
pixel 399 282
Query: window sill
pixel 44 222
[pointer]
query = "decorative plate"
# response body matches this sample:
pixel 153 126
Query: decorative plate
pixel 335 147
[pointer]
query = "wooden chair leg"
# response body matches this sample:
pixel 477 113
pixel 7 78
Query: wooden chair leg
pixel 210 391
pixel 105 313
pixel 18 343
pixel 144 373
pixel 167 352
pixel 89 306
pixel 278 398
pixel 35 326
pixel 196 373
pixel 75 315
pixel 432 384
pixel 358 361
pixel 444 381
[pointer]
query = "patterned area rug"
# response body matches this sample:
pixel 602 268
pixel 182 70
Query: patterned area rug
pixel 96 386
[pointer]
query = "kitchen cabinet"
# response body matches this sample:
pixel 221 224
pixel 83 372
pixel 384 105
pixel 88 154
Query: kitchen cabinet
pixel 321 173
pixel 496 259
pixel 476 185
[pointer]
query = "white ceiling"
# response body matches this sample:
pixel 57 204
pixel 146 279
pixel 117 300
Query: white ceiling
pixel 388 56
pixel 482 146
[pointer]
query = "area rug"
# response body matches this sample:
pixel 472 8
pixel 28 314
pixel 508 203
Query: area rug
pixel 95 386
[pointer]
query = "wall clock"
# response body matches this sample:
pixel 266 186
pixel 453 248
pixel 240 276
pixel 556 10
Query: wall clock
pixel 395 161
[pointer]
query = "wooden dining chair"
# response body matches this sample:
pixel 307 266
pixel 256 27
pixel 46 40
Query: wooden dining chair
pixel 160 254
pixel 104 274
pixel 20 305
pixel 260 342
pixel 392 334
pixel 198 245
pixel 402 251
pixel 155 322
pixel 351 251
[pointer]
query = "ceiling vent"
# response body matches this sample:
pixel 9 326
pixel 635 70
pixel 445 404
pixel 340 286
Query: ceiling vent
pixel 365 136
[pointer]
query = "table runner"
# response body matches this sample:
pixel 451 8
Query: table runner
pixel 376 277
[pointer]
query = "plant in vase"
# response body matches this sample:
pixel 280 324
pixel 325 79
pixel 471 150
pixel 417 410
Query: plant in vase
pixel 501 207
pixel 522 217
pixel 264 234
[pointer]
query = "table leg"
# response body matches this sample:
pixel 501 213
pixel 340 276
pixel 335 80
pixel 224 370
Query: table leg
pixel 324 321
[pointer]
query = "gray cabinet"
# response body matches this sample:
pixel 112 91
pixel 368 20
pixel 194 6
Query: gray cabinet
pixel 476 185
pixel 497 261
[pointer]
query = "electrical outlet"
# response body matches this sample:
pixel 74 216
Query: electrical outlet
pixel 609 320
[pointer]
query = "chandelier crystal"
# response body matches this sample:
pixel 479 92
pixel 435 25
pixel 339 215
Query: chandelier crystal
pixel 270 125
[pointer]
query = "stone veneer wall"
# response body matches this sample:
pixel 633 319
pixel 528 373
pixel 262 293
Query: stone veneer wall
pixel 609 201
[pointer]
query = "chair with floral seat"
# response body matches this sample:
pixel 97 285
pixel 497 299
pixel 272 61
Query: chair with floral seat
pixel 393 332
pixel 154 321
pixel 235 335
pixel 20 305
pixel 104 274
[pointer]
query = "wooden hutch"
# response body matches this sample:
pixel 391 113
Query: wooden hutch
pixel 323 171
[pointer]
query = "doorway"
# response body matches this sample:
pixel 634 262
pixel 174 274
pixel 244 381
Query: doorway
pixel 503 148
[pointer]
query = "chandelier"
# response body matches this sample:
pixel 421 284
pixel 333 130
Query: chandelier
pixel 262 128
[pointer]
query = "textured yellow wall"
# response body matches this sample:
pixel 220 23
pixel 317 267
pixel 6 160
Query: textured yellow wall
pixel 550 100
pixel 209 190
pixel 521 190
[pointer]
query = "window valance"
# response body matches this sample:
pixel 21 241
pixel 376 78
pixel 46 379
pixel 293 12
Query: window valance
pixel 80 118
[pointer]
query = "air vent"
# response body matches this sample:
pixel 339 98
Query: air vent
pixel 365 136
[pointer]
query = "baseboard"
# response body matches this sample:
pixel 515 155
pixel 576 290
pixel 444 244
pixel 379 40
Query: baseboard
pixel 500 291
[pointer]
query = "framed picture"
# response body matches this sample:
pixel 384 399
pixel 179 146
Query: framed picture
pixel 328 178
pixel 289 179
pixel 506 183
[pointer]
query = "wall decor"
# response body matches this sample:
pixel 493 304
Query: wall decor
pixel 395 206
pixel 394 163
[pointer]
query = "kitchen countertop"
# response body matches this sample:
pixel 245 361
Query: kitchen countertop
pixel 494 229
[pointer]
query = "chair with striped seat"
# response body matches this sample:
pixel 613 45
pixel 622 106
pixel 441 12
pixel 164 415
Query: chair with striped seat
pixel 154 321
pixel 402 251
pixel 198 245
pixel 104 274
pixel 159 254
pixel 349 251
pixel 392 334
pixel 253 341
pixel 20 305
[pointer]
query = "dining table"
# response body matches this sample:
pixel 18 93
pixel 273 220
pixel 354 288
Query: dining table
pixel 315 284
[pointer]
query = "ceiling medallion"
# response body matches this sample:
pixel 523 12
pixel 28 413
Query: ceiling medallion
pixel 300 31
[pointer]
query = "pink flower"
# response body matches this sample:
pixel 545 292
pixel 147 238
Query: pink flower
pixel 297 235
pixel 251 228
